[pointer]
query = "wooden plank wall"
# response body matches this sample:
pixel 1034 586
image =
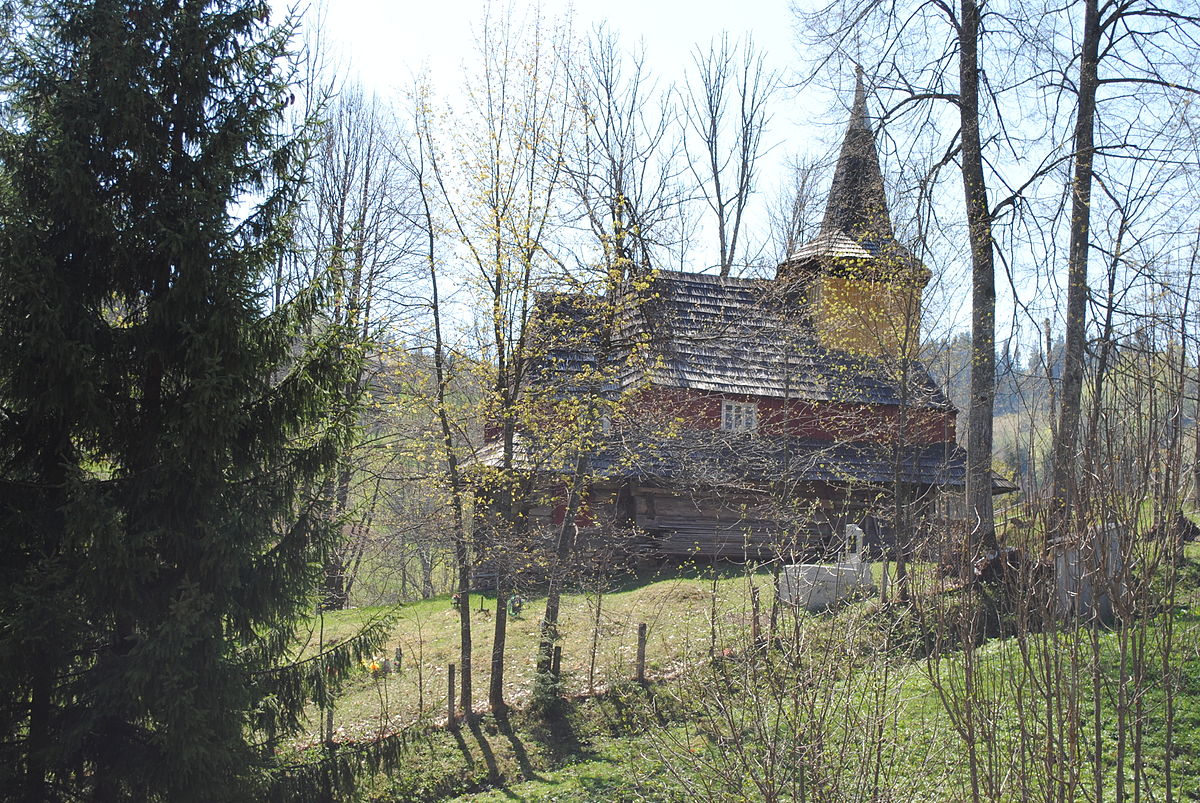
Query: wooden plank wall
pixel 681 523
pixel 737 526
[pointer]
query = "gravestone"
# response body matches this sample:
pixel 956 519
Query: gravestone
pixel 817 586
pixel 1088 573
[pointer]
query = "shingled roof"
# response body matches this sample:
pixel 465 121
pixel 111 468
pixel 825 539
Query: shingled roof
pixel 749 336
pixel 857 204
pixel 566 335
pixel 719 335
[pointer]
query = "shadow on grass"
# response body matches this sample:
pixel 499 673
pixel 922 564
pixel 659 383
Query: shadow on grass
pixel 597 784
pixel 468 756
pixel 557 734
pixel 485 748
pixel 504 724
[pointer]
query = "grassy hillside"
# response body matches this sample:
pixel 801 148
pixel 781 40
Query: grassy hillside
pixel 853 705
pixel 676 606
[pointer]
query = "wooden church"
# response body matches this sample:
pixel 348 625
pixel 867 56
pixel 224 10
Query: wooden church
pixel 751 418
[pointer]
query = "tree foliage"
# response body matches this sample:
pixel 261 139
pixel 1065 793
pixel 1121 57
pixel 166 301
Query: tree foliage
pixel 162 426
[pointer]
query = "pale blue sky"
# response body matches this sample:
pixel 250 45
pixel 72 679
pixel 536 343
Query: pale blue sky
pixel 386 41
pixel 384 44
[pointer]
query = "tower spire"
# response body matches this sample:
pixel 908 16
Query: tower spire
pixel 857 205
pixel 860 287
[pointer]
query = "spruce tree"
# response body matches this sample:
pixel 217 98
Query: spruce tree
pixel 161 421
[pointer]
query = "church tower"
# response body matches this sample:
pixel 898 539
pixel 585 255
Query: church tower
pixel 863 287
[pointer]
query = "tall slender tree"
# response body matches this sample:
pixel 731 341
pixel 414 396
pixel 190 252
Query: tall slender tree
pixel 159 423
pixel 355 234
pixel 725 111
pixel 500 191
pixel 421 159
pixel 1114 142
pixel 983 282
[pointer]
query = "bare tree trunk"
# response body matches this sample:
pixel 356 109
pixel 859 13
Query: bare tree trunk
pixel 576 493
pixel 595 639
pixel 1196 448
pixel 462 552
pixel 496 687
pixel 562 551
pixel 983 290
pixel 1092 456
pixel 1077 286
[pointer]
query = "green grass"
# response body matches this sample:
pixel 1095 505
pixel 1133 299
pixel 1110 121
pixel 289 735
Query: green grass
pixel 615 771
pixel 606 749
pixel 676 610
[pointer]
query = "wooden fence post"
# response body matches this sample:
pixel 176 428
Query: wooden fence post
pixel 641 653
pixel 451 720
pixel 755 628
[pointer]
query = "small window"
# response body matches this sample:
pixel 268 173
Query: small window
pixel 739 417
